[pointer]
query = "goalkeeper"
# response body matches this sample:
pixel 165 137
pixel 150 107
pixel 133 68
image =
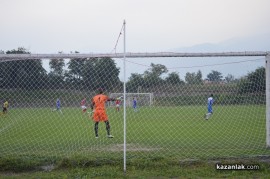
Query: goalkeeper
pixel 98 107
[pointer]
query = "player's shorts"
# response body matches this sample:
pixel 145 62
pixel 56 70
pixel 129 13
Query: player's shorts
pixel 210 110
pixel 4 109
pixel 117 105
pixel 100 116
pixel 83 107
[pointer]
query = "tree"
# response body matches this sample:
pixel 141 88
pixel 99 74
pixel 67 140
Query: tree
pixel 152 76
pixel 106 73
pixel 173 78
pixel 135 81
pixel 88 73
pixel 215 76
pixel 25 74
pixel 199 77
pixel 253 82
pixel 101 72
pixel 56 65
pixel 76 68
pixel 229 78
pixel 157 70
pixel 56 76
pixel 194 78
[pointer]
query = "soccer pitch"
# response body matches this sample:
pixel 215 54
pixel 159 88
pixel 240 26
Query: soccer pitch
pixel 170 132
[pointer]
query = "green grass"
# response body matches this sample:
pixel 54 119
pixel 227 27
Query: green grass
pixel 154 169
pixel 38 136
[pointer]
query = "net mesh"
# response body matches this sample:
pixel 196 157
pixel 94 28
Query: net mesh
pixel 169 120
pixel 145 99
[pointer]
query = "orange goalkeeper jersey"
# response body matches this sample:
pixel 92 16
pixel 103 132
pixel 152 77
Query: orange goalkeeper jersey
pixel 100 101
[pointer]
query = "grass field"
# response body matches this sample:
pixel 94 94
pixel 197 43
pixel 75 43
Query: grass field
pixel 153 133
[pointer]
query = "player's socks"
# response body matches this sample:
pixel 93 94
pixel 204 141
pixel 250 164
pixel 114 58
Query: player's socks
pixel 108 127
pixel 96 129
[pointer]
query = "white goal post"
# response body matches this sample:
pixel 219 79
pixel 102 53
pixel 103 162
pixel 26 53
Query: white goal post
pixel 143 99
pixel 267 73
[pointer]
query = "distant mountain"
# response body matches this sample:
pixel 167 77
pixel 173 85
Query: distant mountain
pixel 207 64
pixel 254 43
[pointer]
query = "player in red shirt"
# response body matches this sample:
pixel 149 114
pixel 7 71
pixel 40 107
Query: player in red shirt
pixel 83 105
pixel 117 104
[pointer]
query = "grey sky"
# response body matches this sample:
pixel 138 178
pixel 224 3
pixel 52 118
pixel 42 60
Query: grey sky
pixel 50 26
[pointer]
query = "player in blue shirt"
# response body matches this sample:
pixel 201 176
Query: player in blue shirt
pixel 58 106
pixel 134 104
pixel 210 102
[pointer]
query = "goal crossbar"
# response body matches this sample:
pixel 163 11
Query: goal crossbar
pixel 5 57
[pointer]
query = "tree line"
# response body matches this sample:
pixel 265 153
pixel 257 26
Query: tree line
pixel 88 74
pixel 92 73
pixel 152 78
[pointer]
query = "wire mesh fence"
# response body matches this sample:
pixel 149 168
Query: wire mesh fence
pixel 198 114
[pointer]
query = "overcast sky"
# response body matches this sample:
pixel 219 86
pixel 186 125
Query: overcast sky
pixel 50 26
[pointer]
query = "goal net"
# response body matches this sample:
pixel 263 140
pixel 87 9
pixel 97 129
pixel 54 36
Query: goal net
pixel 188 108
